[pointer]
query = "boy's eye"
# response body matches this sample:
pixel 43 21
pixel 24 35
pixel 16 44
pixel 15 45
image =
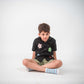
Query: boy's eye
pixel 46 34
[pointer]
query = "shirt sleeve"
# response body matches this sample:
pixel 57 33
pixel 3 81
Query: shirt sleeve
pixel 54 46
pixel 34 45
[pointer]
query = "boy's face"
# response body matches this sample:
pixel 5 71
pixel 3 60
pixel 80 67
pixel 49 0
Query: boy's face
pixel 44 35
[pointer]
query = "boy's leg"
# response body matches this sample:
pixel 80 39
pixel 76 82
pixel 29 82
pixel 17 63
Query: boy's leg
pixel 31 60
pixel 35 66
pixel 53 64
pixel 30 63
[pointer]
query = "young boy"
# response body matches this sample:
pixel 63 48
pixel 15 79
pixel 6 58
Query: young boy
pixel 44 52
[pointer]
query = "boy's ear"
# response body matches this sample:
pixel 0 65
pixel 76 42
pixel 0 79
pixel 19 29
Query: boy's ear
pixel 38 34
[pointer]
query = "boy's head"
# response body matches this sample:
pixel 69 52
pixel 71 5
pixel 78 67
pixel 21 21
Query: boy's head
pixel 44 31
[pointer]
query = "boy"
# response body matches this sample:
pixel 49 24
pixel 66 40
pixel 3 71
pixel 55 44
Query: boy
pixel 44 52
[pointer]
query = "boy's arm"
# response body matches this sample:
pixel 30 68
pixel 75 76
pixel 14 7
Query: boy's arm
pixel 33 57
pixel 54 55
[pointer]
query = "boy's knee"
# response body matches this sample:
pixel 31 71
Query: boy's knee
pixel 60 62
pixel 25 62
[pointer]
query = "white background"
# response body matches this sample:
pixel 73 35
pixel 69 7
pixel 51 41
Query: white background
pixel 19 22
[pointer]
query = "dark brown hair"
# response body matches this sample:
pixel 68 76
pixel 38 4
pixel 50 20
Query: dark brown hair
pixel 43 27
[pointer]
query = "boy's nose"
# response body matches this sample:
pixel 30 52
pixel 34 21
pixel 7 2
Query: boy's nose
pixel 45 36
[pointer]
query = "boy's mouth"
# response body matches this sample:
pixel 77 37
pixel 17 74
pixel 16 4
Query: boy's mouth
pixel 45 38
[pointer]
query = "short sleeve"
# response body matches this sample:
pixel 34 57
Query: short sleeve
pixel 54 46
pixel 34 45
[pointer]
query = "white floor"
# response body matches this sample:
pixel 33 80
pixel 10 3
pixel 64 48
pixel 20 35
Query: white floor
pixel 12 71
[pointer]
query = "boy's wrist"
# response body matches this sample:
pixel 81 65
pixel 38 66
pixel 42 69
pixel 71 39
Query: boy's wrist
pixel 55 58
